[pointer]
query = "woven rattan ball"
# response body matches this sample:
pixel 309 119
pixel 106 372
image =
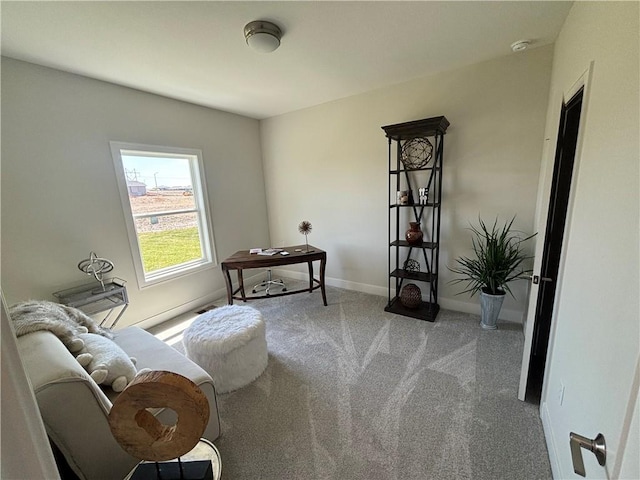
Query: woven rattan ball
pixel 410 296
pixel 416 152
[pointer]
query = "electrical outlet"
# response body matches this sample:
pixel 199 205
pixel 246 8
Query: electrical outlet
pixel 561 394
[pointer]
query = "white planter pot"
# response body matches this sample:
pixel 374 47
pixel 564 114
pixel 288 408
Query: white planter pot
pixel 490 306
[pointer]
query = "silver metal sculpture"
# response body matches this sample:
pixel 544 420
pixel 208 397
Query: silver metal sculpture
pixel 97 267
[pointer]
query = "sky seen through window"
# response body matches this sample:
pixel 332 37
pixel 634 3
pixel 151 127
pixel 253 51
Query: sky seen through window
pixel 157 171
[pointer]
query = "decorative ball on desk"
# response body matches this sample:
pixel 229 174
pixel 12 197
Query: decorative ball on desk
pixel 305 228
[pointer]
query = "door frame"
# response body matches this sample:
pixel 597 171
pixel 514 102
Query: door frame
pixel 629 439
pixel 561 188
pixel 542 209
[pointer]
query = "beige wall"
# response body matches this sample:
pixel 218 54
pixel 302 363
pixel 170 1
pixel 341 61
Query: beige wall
pixel 328 165
pixel 595 334
pixel 60 199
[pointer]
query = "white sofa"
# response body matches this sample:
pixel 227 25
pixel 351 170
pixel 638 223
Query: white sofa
pixel 75 409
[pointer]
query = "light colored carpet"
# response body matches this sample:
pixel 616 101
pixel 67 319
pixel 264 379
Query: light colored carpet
pixel 353 392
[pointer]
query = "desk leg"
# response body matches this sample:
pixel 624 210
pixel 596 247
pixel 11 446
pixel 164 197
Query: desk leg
pixel 227 280
pixel 310 276
pixel 241 285
pixel 323 264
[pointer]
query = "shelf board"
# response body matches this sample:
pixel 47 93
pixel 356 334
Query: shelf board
pixel 114 289
pixel 92 299
pixel 103 304
pixel 419 276
pixel 418 128
pixel 421 169
pixel 395 205
pixel 426 311
pixel 404 243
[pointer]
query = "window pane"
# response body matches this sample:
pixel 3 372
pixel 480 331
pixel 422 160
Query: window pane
pixel 168 240
pixel 162 223
pixel 158 184
pixel 165 203
pixel 162 201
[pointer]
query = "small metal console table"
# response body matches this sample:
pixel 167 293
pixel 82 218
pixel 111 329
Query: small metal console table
pixel 93 299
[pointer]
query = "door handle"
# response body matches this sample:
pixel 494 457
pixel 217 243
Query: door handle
pixel 597 446
pixel 536 279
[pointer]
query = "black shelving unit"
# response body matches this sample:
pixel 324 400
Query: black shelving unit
pixel 405 175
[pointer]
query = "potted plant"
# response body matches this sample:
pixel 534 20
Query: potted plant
pixel 499 259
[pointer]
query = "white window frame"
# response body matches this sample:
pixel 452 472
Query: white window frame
pixel 202 209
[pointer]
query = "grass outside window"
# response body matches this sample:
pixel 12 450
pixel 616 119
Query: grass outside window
pixel 169 247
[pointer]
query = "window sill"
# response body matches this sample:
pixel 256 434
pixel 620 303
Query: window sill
pixel 173 274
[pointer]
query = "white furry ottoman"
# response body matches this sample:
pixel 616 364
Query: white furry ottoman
pixel 229 343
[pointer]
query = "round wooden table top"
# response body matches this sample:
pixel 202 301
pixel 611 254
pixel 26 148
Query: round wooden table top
pixel 141 434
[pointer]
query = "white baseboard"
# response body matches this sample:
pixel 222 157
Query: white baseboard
pixel 506 314
pixel 176 311
pixel 358 287
pixel 445 303
pixel 335 282
pixel 259 275
pixel 549 437
pixel 219 295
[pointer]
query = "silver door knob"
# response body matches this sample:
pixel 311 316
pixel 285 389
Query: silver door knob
pixel 597 446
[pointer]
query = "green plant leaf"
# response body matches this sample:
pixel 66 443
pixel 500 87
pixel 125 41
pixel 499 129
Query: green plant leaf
pixel 499 258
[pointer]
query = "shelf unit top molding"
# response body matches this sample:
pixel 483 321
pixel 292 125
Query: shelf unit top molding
pixel 427 127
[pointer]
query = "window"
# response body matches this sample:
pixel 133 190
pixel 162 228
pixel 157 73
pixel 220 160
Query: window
pixel 165 203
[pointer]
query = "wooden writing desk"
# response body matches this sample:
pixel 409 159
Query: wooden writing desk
pixel 243 260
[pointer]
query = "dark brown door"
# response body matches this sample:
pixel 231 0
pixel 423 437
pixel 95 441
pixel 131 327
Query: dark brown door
pixel 558 205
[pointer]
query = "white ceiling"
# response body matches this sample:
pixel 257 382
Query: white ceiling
pixel 195 51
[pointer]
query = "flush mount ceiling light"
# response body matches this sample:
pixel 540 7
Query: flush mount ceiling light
pixel 520 45
pixel 262 36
